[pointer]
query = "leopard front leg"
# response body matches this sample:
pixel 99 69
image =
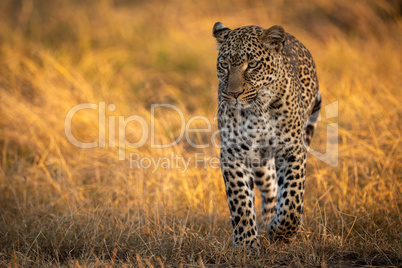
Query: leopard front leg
pixel 239 186
pixel 265 180
pixel 291 173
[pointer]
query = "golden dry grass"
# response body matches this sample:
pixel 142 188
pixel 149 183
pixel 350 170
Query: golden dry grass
pixel 65 206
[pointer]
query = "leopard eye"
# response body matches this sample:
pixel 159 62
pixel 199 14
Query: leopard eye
pixel 224 65
pixel 252 64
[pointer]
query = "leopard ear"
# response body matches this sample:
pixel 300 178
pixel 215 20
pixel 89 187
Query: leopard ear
pixel 220 32
pixel 273 37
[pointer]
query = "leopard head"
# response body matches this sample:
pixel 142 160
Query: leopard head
pixel 249 62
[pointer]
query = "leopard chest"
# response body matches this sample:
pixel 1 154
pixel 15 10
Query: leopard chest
pixel 247 133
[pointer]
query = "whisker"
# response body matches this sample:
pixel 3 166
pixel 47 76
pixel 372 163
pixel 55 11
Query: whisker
pixel 264 104
pixel 255 104
pixel 212 102
pixel 261 105
pixel 217 110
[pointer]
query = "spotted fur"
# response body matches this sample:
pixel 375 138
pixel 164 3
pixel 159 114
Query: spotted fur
pixel 268 107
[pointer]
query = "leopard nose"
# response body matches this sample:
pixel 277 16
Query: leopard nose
pixel 235 94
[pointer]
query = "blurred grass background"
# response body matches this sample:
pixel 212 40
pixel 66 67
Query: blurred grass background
pixel 65 206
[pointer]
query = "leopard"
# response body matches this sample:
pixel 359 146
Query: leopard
pixel 268 107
